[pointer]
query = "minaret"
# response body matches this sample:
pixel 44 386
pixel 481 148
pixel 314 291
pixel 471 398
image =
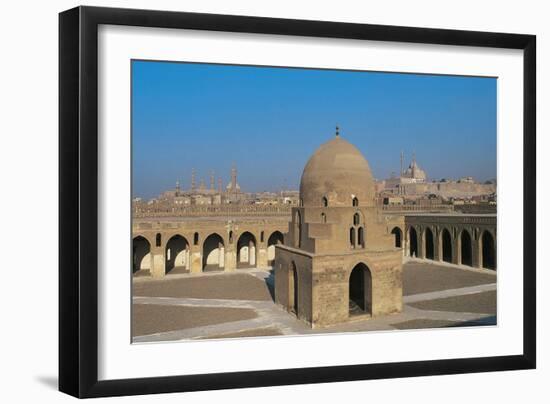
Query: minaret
pixel 212 180
pixel 177 187
pixel 234 178
pixel 193 183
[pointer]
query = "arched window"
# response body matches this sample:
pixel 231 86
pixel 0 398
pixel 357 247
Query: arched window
pixel 397 234
pixel 325 201
pixel 323 218
pixel 297 230
pixel 361 237
pixel 355 201
pixel 352 237
pixel 356 219
pixel 196 238
pixel 262 237
pixel 231 236
pixel 158 240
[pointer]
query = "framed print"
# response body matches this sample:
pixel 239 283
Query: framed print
pixel 250 201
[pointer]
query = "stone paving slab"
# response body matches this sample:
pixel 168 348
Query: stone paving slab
pixel 226 285
pixel 423 278
pixel 483 302
pixel 148 319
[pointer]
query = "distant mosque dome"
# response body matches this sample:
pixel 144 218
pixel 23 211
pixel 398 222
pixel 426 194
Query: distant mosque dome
pixel 338 172
pixel 414 172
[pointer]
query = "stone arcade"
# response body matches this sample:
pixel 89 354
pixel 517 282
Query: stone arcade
pixel 339 261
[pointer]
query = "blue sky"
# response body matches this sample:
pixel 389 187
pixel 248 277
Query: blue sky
pixel 270 120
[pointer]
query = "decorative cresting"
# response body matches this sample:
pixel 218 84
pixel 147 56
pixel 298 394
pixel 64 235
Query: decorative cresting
pixel 338 172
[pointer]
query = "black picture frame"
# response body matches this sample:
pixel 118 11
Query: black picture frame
pixel 78 196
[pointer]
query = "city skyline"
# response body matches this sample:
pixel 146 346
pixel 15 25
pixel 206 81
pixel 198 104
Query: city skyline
pixel 267 121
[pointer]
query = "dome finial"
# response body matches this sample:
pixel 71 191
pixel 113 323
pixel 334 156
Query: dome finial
pixel 337 131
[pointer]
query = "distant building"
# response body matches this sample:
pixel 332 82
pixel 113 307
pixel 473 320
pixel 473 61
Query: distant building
pixel 412 184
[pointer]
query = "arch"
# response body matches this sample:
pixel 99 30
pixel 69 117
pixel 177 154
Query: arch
pixel 176 255
pixel 360 290
pixel 398 234
pixel 158 240
pixel 488 252
pixel 325 201
pixel 293 288
pixel 356 219
pixel 141 256
pixel 231 237
pixel 413 242
pixel 262 236
pixel 465 248
pixel 297 229
pixel 275 238
pixel 352 237
pixel 196 238
pixel 213 250
pixel 361 237
pixel 323 217
pixel 355 201
pixel 429 241
pixel 446 246
pixel 246 250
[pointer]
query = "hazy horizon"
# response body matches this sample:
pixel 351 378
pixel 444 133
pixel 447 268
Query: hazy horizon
pixel 268 121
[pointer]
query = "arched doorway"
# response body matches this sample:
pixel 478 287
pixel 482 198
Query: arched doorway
pixel 141 256
pixel 413 242
pixel 293 289
pixel 246 250
pixel 446 246
pixel 213 253
pixel 398 236
pixel 429 236
pixel 275 238
pixel 465 248
pixel 177 255
pixel 360 290
pixel 488 253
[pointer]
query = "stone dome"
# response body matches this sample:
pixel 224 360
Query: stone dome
pixel 339 172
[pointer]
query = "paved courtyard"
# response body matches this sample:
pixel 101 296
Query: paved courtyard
pixel 240 304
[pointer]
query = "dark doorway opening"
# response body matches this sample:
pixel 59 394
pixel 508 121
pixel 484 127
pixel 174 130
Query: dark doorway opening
pixel 360 290
pixel 465 248
pixel 488 251
pixel 413 242
pixel 429 244
pixel 447 246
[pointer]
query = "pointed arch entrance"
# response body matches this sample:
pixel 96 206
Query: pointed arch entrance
pixel 275 238
pixel 141 256
pixel 488 252
pixel 360 290
pixel 293 288
pixel 429 248
pixel 246 250
pixel 413 242
pixel 177 255
pixel 446 246
pixel 213 251
pixel 465 248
